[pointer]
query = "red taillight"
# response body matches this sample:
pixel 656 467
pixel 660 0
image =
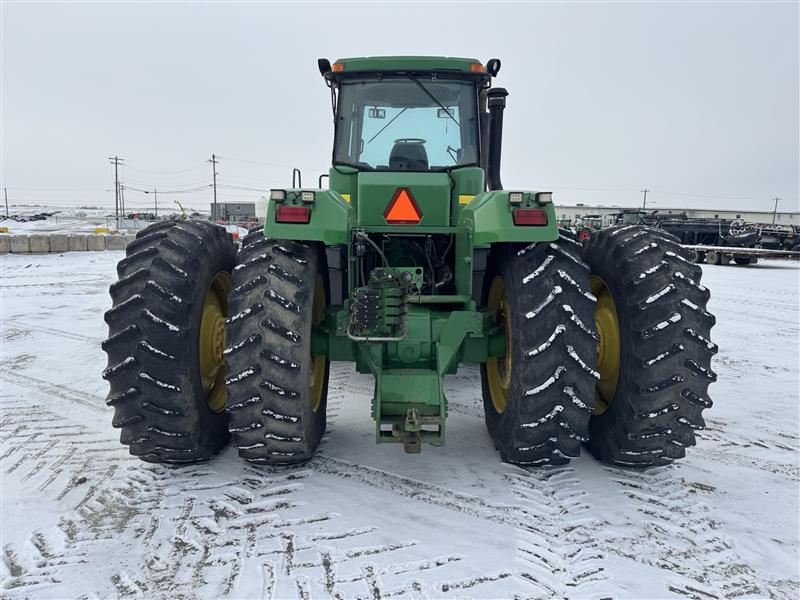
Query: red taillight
pixel 530 216
pixel 292 214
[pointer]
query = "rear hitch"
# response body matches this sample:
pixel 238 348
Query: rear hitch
pixel 409 432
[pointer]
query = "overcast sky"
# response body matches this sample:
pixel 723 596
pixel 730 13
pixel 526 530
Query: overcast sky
pixel 697 102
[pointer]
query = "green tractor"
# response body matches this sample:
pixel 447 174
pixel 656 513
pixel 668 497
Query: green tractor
pixel 587 225
pixel 413 261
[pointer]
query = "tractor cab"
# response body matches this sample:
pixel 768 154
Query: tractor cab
pixel 425 120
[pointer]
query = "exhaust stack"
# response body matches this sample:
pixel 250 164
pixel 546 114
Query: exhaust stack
pixel 497 104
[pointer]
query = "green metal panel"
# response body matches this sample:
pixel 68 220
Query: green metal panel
pixel 407 63
pixel 468 183
pixel 431 191
pixel 331 219
pixel 344 180
pixel 489 219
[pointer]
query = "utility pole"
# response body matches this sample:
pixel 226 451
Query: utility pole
pixel 155 199
pixel 116 161
pixel 122 200
pixel 213 162
pixel 644 199
pixel 5 193
pixel 775 211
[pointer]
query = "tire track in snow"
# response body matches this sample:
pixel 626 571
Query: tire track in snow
pixel 216 526
pixel 560 541
pixel 682 538
pixel 557 547
pixel 59 391
pixel 17 323
pixel 417 490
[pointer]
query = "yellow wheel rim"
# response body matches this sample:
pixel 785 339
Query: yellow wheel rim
pixel 498 370
pixel 319 362
pixel 211 342
pixel 608 348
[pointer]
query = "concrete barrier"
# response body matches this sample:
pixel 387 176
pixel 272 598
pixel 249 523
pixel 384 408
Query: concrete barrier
pixel 77 243
pixel 20 244
pixel 59 242
pixel 95 242
pixel 40 244
pixel 118 242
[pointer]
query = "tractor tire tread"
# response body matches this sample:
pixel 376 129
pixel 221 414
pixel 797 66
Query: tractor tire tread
pixel 551 396
pixel 666 347
pixel 268 340
pixel 153 378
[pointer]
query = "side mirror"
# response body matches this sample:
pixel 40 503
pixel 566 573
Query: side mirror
pixel 493 67
pixel 324 66
pixel 377 113
pixel 443 113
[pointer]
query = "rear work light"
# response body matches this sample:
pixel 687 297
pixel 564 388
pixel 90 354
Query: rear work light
pixel 530 216
pixel 292 214
pixel 515 198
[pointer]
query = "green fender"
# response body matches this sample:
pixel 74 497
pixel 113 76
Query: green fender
pixel 331 219
pixel 488 217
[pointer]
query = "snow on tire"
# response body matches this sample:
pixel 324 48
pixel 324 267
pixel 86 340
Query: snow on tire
pixel 542 414
pixel 153 357
pixel 272 414
pixel 665 347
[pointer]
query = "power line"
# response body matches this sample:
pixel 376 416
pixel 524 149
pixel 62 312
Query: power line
pixel 277 165
pixel 186 191
pixel 197 168
pixel 711 196
pixel 238 187
pixel 179 186
pixel 25 189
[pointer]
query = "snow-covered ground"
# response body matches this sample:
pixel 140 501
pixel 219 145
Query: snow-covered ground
pixel 78 220
pixel 81 518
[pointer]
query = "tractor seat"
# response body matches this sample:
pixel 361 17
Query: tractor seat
pixel 408 154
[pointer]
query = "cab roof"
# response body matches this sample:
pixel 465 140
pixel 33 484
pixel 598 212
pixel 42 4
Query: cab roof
pixel 409 63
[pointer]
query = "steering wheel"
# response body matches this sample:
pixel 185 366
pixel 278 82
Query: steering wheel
pixel 410 141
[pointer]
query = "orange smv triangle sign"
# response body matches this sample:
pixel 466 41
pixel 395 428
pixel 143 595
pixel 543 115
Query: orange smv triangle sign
pixel 402 209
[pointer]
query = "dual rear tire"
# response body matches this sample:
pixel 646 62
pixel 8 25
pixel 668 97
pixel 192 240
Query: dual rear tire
pixel 610 346
pixel 200 350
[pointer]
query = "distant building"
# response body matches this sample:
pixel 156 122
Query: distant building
pixel 238 212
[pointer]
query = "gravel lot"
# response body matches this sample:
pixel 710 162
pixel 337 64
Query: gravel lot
pixel 81 518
